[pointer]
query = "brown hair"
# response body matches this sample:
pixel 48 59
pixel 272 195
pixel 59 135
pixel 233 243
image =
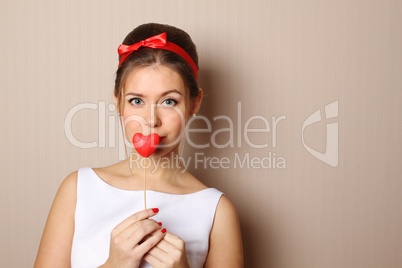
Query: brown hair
pixel 146 57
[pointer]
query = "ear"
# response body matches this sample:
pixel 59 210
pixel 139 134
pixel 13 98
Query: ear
pixel 196 103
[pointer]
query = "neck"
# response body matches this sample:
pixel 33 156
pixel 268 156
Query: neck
pixel 157 168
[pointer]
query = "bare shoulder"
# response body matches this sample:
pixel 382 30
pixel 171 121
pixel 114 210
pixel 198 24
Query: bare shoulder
pixel 225 206
pixel 67 193
pixel 225 215
pixel 69 184
pixel 226 249
pixel 55 246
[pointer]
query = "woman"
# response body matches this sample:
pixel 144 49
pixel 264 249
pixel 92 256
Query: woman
pixel 98 217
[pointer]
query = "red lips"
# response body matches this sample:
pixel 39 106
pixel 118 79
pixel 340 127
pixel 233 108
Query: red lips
pixel 146 145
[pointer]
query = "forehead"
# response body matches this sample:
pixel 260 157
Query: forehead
pixel 154 80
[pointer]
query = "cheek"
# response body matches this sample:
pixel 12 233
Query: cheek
pixel 133 124
pixel 174 119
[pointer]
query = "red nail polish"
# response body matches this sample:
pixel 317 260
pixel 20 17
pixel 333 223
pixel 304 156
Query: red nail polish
pixel 160 224
pixel 163 230
pixel 155 210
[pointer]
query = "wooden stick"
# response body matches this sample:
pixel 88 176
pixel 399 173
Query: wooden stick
pixel 145 188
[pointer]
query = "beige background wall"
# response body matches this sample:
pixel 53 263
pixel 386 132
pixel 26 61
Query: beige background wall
pixel 275 57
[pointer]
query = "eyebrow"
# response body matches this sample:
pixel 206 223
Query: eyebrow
pixel 163 94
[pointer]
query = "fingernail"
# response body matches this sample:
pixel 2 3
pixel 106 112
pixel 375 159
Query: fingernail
pixel 163 230
pixel 160 223
pixel 155 210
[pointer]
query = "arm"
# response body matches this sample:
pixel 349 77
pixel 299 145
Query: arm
pixel 55 246
pixel 225 246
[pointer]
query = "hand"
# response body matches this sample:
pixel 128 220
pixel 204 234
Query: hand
pixel 169 252
pixel 127 244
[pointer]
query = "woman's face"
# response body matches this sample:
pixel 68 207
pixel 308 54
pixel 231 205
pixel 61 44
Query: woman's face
pixel 155 102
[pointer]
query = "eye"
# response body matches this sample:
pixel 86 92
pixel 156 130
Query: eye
pixel 135 101
pixel 170 102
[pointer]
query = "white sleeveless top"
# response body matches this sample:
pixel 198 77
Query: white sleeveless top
pixel 100 207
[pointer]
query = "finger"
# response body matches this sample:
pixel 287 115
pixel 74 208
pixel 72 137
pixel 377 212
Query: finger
pixel 168 240
pixel 130 230
pixel 154 233
pixel 174 240
pixel 144 247
pixel 160 254
pixel 133 219
pixel 154 262
pixel 142 232
pixel 165 246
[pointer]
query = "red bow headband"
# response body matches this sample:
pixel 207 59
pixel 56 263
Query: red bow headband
pixel 157 41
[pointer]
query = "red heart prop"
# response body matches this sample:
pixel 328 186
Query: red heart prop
pixel 145 145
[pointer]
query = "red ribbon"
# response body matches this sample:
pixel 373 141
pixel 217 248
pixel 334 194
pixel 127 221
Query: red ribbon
pixel 157 41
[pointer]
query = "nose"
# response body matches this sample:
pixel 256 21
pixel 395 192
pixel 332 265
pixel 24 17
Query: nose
pixel 153 119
